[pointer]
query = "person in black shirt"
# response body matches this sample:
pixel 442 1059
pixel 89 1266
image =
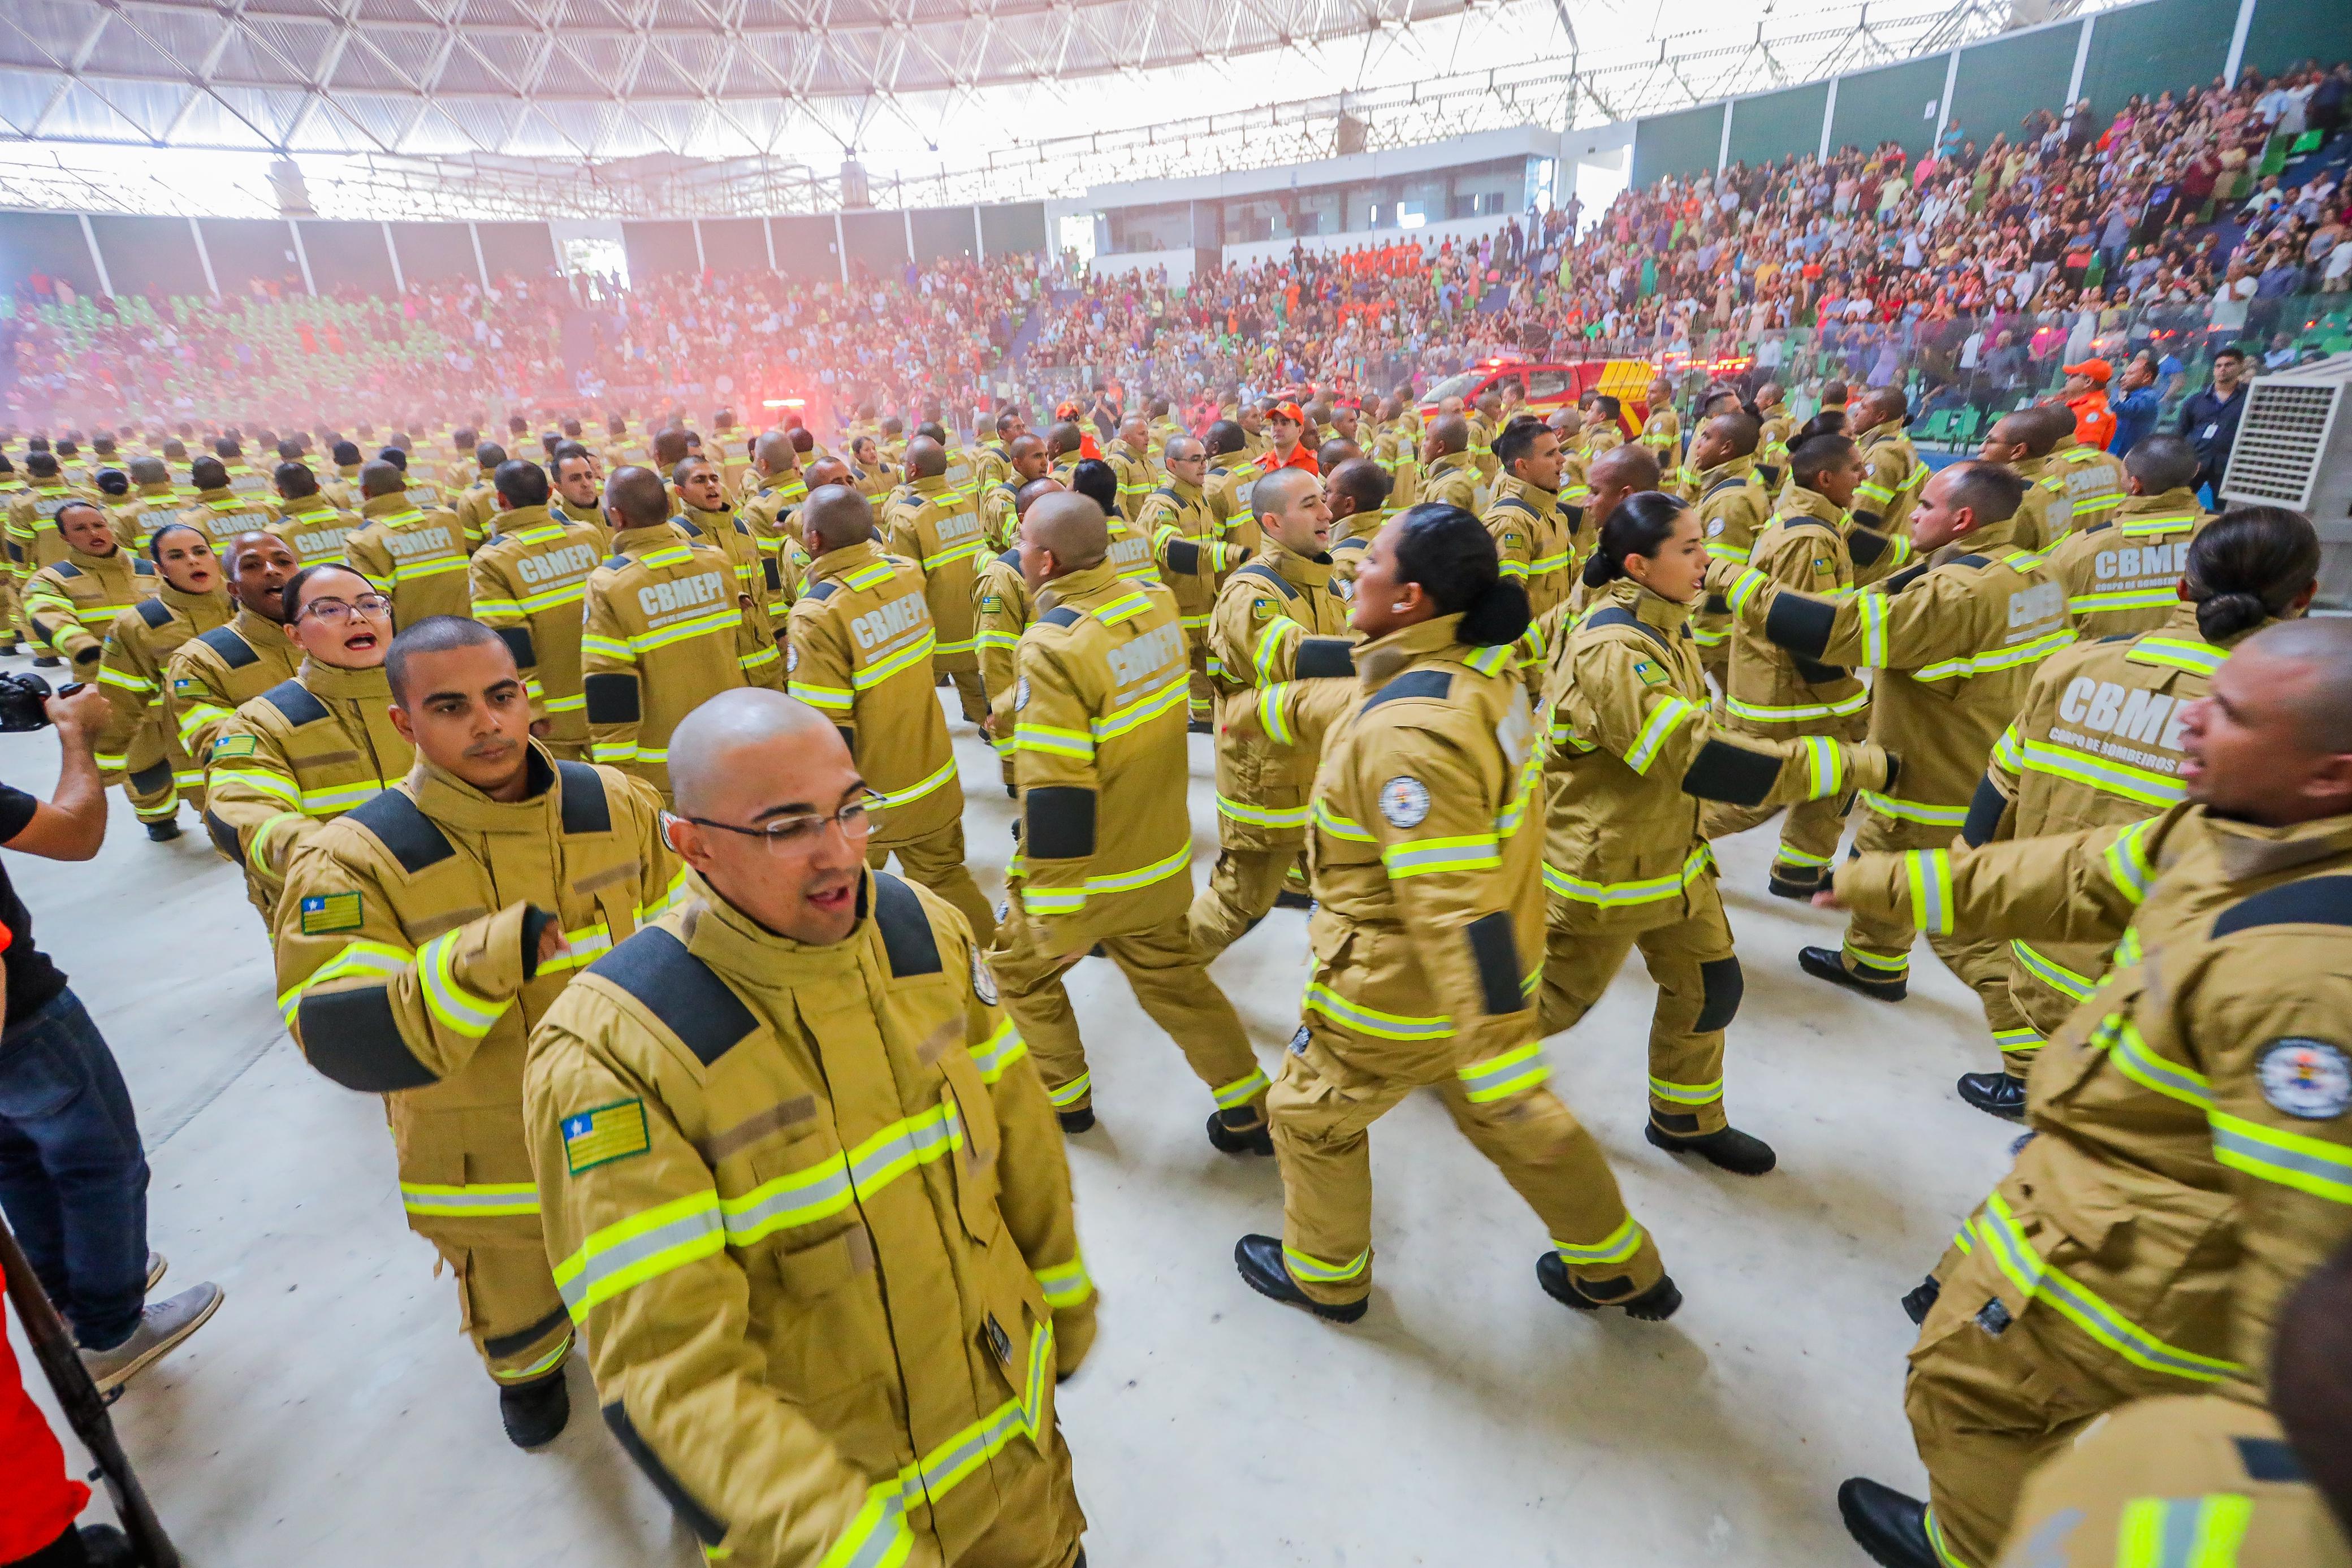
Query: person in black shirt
pixel 2210 419
pixel 73 1178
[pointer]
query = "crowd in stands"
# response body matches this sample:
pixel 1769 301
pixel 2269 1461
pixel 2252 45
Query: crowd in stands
pixel 2181 223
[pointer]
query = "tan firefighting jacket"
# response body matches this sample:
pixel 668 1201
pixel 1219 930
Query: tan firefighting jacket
pixel 663 635
pixel 1136 477
pixel 2047 513
pixel 2123 573
pixel 999 518
pixel 2195 1157
pixel 529 584
pixel 214 672
pixel 1453 479
pixel 1772 446
pixel 149 508
pixel 1883 499
pixel 1223 483
pixel 139 645
pixel 1954 639
pixel 1806 546
pixel 224 514
pixel 341 487
pixel 1186 536
pixel 407 941
pixel 33 538
pixel 72 603
pixel 1733 509
pixel 938 528
pixel 1535 532
pixel 1100 714
pixel 321 534
pixel 861 654
pixel 2097 743
pixel 758 578
pixel 473 505
pixel 1662 432
pixel 1001 612
pixel 1277 619
pixel 417 558
pixel 2096 483
pixel 295 757
pixel 1482 447
pixel 1634 752
pixel 838 1165
pixel 771 513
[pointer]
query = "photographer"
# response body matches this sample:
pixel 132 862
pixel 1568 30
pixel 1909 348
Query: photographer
pixel 73 1178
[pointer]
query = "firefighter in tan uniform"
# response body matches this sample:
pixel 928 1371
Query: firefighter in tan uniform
pixel 341 488
pixel 309 750
pixel 1002 609
pixel 1534 528
pixel 1025 463
pixel 778 488
pixel 2022 441
pixel 424 934
pixel 1106 835
pixel 991 463
pixel 1184 531
pixel 33 539
pixel 1954 639
pixel 1427 934
pixel 1449 477
pixel 1662 428
pixel 1635 757
pixel 662 632
pixel 1773 695
pixel 578 486
pixel 220 511
pixel 317 532
pixel 936 526
pixel 2099 741
pixel 861 640
pixel 1485 418
pixel 1733 509
pixel 1774 429
pixel 423 558
pixel 2096 480
pixel 1129 457
pixel 1280 618
pixel 1357 492
pixel 791 1115
pixel 1882 501
pixel 706 517
pixel 153 501
pixel 2121 572
pixel 72 603
pixel 2248 1487
pixel 530 585
pixel 474 497
pixel 211 675
pixel 1230 473
pixel 190 600
pixel 2193 1156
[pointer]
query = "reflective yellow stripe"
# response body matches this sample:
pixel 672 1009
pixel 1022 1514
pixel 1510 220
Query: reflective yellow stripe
pixel 1793 713
pixel 1930 876
pixel 2054 975
pixel 1424 857
pixel 2144 785
pixel 1615 1247
pixel 1515 1071
pixel 1615 894
pixel 2183 1531
pixel 2138 1060
pixel 1915 810
pixel 917 790
pixel 1996 659
pixel 906 658
pixel 456 1008
pixel 1272 715
pixel 1261 816
pixel 2308 1165
pixel 484 1201
pixel 1065 1284
pixel 1667 716
pixel 1322 998
pixel 2128 862
pixel 1322 1273
pixel 643 1247
pixel 1142 711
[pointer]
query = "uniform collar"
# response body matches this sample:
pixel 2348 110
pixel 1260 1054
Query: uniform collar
pixel 1307 571
pixel 119 561
pixel 161 490
pixel 1800 502
pixel 1885 430
pixel 206 609
pixel 207 497
pixel 2177 500
pixel 843 561
pixel 712 521
pixel 1650 609
pixel 1738 468
pixel 305 504
pixel 326 682
pixel 2031 468
pixel 1186 491
pixel 931 485
pixel 446 798
pixel 1383 659
pixel 1509 486
pixel 260 632
pixel 395 504
pixel 742 949
pixel 1450 462
pixel 1089 583
pixel 348 471
pixel 2249 852
pixel 637 540
pixel 521 518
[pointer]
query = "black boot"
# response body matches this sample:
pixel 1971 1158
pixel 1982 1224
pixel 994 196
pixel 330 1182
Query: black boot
pixel 534 1412
pixel 1780 886
pixel 1286 899
pixel 1230 1137
pixel 1259 1259
pixel 47 661
pixel 1884 1522
pixel 1737 1152
pixel 1081 1120
pixel 1995 1094
pixel 1828 964
pixel 1921 1297
pixel 164 831
pixel 1654 1305
pixel 1200 727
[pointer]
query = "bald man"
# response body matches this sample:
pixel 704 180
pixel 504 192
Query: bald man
pixel 1186 537
pixel 778 1353
pixel 1450 476
pixel 1105 830
pixel 1001 610
pixel 2023 441
pixel 934 524
pixel 1023 461
pixel 1357 492
pixel 1882 501
pixel 1129 457
pixel 776 488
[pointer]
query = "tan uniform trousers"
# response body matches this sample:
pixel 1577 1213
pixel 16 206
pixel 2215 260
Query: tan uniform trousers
pixel 147 779
pixel 1689 955
pixel 1810 830
pixel 936 860
pixel 1242 887
pixel 507 1297
pixel 13 627
pixel 974 698
pixel 1987 1409
pixel 1335 1083
pixel 1171 985
pixel 1879 949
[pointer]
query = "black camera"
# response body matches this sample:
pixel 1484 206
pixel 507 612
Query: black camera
pixel 23 701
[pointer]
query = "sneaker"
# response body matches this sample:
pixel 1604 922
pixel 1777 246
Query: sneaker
pixel 162 1326
pixel 156 1264
pixel 534 1413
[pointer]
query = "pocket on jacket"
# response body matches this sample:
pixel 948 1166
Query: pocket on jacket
pixel 974 1162
pixel 826 1332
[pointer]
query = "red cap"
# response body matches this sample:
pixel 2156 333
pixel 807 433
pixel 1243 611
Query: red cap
pixel 2098 371
pixel 1288 411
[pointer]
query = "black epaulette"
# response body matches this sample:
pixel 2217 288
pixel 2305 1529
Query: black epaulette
pixel 65 569
pixel 292 699
pixel 616 562
pixel 585 805
pixel 1061 615
pixel 155 612
pixel 2313 901
pixel 403 829
pixel 1412 683
pixel 1618 615
pixel 680 990
pixel 1259 570
pixel 1904 579
pixel 1168 492
pixel 1011 557
pixel 142 567
pixel 821 592
pixel 230 644
pixel 1971 560
pixel 680 522
pixel 907 939
pixel 1728 480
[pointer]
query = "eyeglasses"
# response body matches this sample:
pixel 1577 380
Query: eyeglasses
pixel 335 612
pixel 795 835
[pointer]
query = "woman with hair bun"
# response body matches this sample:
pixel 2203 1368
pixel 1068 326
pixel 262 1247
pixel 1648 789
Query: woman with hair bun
pixel 2097 742
pixel 1636 755
pixel 1425 836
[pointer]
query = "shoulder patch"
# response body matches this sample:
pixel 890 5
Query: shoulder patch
pixel 585 807
pixel 1404 802
pixel 1061 615
pixel 231 746
pixel 326 913
pixel 2308 1078
pixel 908 940
pixel 403 829
pixel 694 1004
pixel 603 1133
pixel 1650 674
pixel 1412 683
pixel 155 611
pixel 292 700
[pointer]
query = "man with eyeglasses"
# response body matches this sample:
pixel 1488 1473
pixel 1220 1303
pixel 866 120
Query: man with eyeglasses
pixel 309 750
pixel 396 981
pixel 1188 538
pixel 861 640
pixel 804 1189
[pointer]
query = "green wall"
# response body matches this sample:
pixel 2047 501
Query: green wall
pixel 1772 125
pixel 2162 43
pixel 1685 144
pixel 2285 31
pixel 2002 81
pixel 1886 105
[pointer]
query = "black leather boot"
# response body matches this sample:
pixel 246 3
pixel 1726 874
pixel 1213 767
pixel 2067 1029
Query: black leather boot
pixel 1654 1305
pixel 534 1412
pixel 1251 1135
pixel 1259 1259
pixel 1995 1094
pixel 1828 964
pixel 1891 1527
pixel 1741 1153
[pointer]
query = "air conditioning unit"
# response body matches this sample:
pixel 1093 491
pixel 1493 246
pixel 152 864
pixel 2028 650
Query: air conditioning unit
pixel 2295 449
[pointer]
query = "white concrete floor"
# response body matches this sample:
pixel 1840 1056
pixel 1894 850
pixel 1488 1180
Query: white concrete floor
pixel 332 1414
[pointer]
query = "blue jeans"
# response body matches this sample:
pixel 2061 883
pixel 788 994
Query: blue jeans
pixel 73 1178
